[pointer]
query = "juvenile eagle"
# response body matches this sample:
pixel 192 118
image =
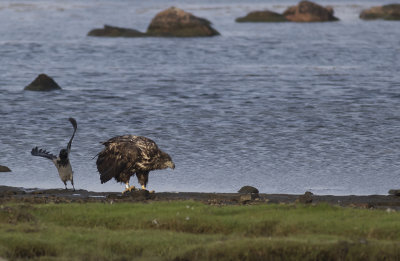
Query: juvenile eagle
pixel 62 161
pixel 125 156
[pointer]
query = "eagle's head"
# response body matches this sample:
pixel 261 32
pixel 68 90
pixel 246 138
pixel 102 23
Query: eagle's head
pixel 167 161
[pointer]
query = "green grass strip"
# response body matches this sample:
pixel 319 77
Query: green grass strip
pixel 194 231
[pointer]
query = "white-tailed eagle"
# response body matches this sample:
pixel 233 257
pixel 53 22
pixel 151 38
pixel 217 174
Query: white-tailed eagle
pixel 125 156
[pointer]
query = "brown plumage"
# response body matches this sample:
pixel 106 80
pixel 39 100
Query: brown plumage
pixel 125 156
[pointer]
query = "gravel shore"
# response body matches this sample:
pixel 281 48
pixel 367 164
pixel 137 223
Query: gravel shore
pixel 34 195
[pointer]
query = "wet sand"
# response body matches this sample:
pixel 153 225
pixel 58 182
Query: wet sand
pixel 34 195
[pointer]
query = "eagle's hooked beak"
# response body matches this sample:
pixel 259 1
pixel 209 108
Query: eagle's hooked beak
pixel 172 165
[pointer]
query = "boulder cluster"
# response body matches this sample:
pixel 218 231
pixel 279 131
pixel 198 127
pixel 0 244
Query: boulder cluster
pixel 175 22
pixel 305 11
pixel 385 12
pixel 172 22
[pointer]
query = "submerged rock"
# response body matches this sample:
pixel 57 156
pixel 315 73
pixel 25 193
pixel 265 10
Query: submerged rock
pixel 174 22
pixel 262 16
pixel 43 83
pixel 307 11
pixel 386 12
pixel 112 31
pixel 4 169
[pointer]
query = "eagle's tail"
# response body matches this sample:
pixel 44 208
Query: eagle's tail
pixel 106 166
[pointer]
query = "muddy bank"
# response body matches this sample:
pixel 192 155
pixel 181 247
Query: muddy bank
pixel 15 194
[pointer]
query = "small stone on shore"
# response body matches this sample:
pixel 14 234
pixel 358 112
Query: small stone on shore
pixel 134 194
pixel 394 192
pixel 248 198
pixel 306 198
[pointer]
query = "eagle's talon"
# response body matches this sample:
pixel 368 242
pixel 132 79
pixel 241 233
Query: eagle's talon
pixel 129 189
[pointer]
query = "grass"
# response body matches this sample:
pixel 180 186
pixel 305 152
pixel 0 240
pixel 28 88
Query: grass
pixel 194 231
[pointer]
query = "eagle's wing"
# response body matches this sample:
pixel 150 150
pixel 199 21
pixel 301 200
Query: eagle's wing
pixel 149 152
pixel 119 156
pixel 43 153
pixel 120 139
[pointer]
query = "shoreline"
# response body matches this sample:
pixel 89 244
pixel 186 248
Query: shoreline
pixel 34 195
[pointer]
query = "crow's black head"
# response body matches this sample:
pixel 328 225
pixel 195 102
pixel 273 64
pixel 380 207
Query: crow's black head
pixel 63 154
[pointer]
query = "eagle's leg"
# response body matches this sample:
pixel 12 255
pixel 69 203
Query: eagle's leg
pixel 72 182
pixel 143 178
pixel 128 188
pixel 65 183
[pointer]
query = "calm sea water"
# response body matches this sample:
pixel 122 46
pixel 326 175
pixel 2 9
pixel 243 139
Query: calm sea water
pixel 285 107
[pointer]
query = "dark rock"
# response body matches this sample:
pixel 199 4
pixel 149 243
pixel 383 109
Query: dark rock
pixel 306 198
pixel 246 198
pixel 112 31
pixel 307 11
pixel 135 195
pixel 262 16
pixel 174 22
pixel 394 192
pixel 4 169
pixel 386 12
pixel 43 83
pixel 6 191
pixel 248 190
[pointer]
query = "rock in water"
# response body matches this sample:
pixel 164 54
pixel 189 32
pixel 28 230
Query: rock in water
pixel 307 11
pixel 175 22
pixel 43 83
pixel 262 16
pixel 386 12
pixel 248 190
pixel 4 169
pixel 112 31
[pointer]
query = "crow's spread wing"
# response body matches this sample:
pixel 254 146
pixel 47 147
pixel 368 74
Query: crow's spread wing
pixel 43 153
pixel 75 125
